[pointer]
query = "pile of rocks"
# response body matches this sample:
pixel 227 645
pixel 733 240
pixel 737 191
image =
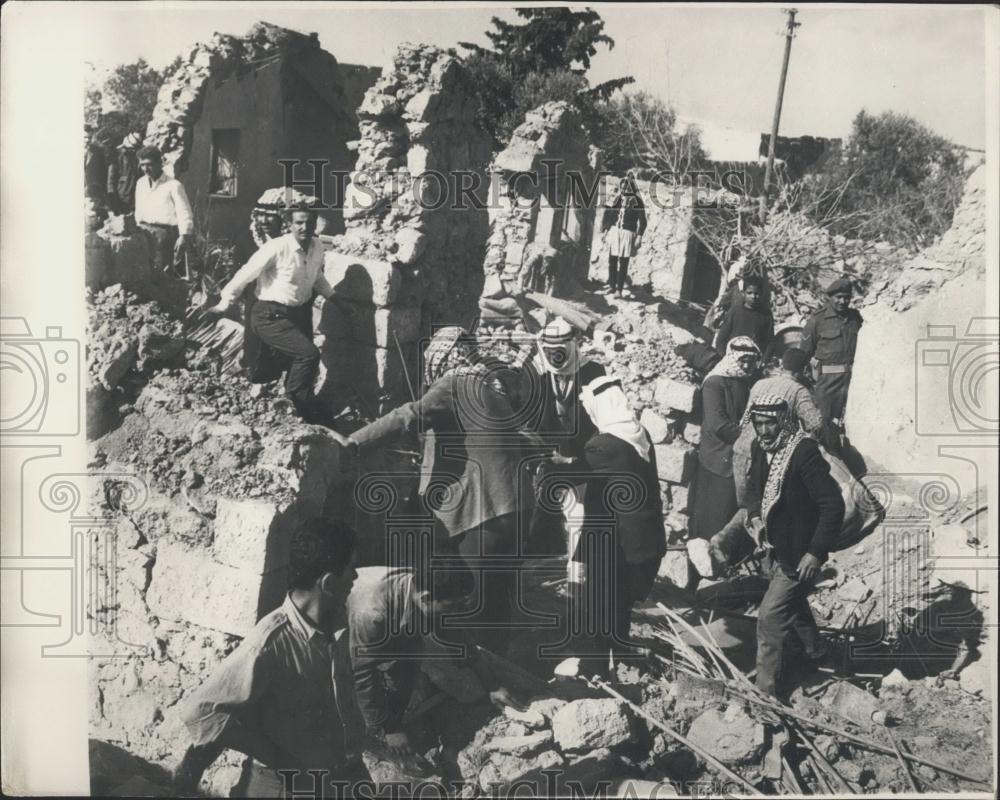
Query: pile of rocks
pixel 178 103
pixel 404 262
pixel 539 229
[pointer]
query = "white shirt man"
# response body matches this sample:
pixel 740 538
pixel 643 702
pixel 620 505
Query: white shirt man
pixel 163 201
pixel 288 269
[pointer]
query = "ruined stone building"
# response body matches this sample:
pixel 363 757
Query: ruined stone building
pixel 236 107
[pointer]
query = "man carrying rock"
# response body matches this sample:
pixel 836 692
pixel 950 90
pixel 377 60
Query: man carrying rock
pixel 393 614
pixel 288 270
pixel 794 511
pixel 831 338
pixel 285 696
pixel 162 210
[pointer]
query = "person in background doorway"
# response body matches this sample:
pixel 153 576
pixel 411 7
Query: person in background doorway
pixel 794 512
pixel 724 394
pixel 162 210
pixel 123 175
pixel 748 318
pixel 288 271
pixel 622 226
pixel 831 338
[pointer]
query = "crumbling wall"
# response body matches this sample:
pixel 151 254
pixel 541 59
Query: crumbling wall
pixel 540 220
pixel 931 368
pixel 663 258
pixel 200 483
pixel 179 101
pixel 410 255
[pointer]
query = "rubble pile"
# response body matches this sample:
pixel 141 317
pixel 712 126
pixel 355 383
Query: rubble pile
pixel 409 256
pixel 178 103
pixel 538 235
pixel 214 481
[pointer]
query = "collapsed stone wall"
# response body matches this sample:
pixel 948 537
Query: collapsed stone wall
pixel 199 551
pixel 540 226
pixel 923 354
pixel 179 101
pixel 410 255
pixel 663 257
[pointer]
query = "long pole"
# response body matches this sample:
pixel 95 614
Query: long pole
pixel 789 35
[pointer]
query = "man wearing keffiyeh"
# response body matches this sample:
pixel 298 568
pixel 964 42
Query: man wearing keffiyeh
pixel 794 511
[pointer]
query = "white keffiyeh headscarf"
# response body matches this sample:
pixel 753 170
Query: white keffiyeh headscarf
pixel 730 366
pixel 606 404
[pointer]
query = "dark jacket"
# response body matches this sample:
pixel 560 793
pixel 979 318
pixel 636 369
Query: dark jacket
pixel 808 515
pixel 723 401
pixel 123 173
pixel 831 338
pixel 635 214
pixel 473 466
pixel 95 171
pixel 640 527
pixel 739 320
pixel 386 642
pixel 541 416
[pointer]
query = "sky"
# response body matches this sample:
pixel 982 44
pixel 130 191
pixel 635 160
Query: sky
pixel 719 66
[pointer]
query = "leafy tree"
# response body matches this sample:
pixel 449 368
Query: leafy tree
pixel 544 58
pixel 896 181
pixel 130 92
pixel 641 131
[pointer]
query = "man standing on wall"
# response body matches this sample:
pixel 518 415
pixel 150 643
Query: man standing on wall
pixel 288 269
pixel 831 338
pixel 162 210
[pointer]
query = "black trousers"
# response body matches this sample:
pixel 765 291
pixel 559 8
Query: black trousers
pixel 285 342
pixel 162 239
pixel 617 272
pixel 481 548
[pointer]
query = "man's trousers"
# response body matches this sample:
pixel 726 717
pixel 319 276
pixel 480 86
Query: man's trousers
pixel 285 341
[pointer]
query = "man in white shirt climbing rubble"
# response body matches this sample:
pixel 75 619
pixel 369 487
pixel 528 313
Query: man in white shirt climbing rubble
pixel 288 270
pixel 162 210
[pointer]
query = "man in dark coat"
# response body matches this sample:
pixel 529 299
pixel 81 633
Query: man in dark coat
pixel 795 511
pixel 724 394
pixel 831 338
pixel 473 471
pixel 622 226
pixel 123 173
pixel 748 318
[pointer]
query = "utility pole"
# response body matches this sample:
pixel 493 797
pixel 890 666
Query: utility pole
pixel 789 35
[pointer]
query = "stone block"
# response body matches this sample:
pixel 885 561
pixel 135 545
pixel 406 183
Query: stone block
pixel 410 245
pixel 674 567
pixel 422 106
pixel 731 736
pixel 656 426
pixel 852 703
pixel 519 157
pixel 383 327
pixel 250 536
pixel 188 585
pixel 590 724
pixel 674 462
pixel 98 260
pixel 676 395
pixel 692 433
pixel 679 497
pixel 378 105
pixel 362 280
pixel 419 160
pixel 519 745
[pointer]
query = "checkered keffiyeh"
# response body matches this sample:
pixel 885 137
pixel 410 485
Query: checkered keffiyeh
pixel 448 354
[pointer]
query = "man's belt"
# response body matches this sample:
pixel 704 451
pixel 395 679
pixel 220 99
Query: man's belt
pixel 834 369
pixel 163 225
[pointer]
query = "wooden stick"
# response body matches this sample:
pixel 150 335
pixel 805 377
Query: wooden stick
pixel 817 755
pixel 675 735
pixel 902 762
pixel 787 770
pixel 824 784
pixel 857 739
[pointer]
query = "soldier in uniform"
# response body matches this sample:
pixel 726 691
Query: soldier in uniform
pixel 830 338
